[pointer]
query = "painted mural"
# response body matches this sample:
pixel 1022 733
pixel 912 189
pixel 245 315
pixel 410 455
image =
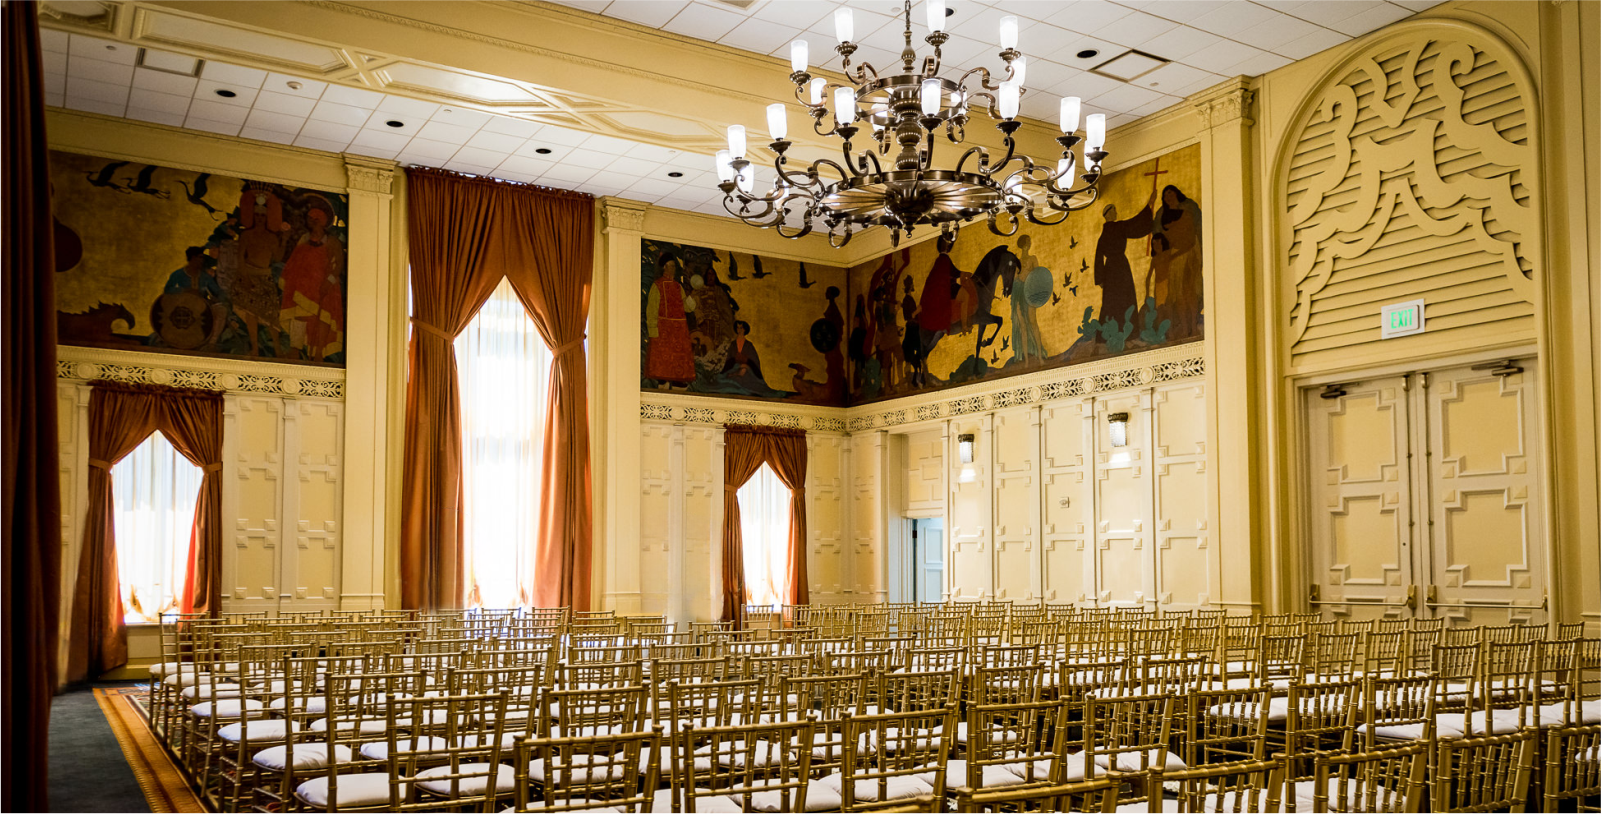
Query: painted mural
pixel 1121 276
pixel 158 259
pixel 739 325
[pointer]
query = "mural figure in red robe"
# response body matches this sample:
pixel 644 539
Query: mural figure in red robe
pixel 313 304
pixel 669 358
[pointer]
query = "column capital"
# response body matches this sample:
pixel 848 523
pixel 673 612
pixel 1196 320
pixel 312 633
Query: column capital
pixel 618 215
pixel 369 175
pixel 1226 103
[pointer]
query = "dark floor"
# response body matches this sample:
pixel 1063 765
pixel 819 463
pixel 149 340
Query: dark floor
pixel 87 769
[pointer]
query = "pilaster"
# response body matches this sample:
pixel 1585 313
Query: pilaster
pixel 614 366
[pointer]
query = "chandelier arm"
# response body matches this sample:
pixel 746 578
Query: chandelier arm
pixel 803 231
pixel 1038 221
pixel 997 230
pixel 865 72
pixel 843 239
pixel 983 158
pixel 824 162
pixel 984 78
pixel 955 131
pixel 1092 194
pixel 850 160
pixel 1011 151
pixel 869 155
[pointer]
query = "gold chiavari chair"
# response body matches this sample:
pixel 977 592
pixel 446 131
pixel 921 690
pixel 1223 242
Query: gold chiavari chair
pixel 1488 773
pixel 1572 770
pixel 1226 725
pixel 1129 734
pixel 1396 710
pixel 1235 786
pixel 1085 795
pixel 595 711
pixel 356 710
pixel 830 699
pixel 925 658
pixel 720 668
pixel 891 757
pixel 743 768
pixel 599 675
pixel 1385 780
pixel 1015 744
pixel 1318 716
pixel 466 772
pixel 597 773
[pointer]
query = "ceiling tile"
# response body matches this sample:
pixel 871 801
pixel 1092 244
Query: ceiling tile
pixel 608 144
pixel 281 83
pixel 95 106
pixel 585 158
pixel 1032 9
pixel 633 166
pixel 617 179
pixel 1321 39
pixel 566 175
pixel 267 135
pixel 55 98
pixel 1182 11
pixel 233 74
pixel 761 36
pixel 654 186
pixel 540 151
pixel 238 95
pixel 327 111
pixel 1324 14
pixel 320 144
pixel 164 102
pixel 526 166
pixel 1172 76
pixel 1113 122
pixel 329 131
pixel 95 48
pixel 652 152
pixel 507 126
pixel 496 141
pixel 54 41
pixel 205 109
pixel 653 13
pixel 276 122
pixel 1233 18
pixel 1087 86
pixel 703 22
pixel 800 14
pixel 1087 16
pixel 552 135
pixel 1259 64
pixel 519 177
pixel 1067 49
pixel 53 62
pixel 1280 28
pixel 1125 98
pixel 1135 30
pixel 461 117
pixel 428 148
pixel 413 109
pixel 481 156
pixel 1044 108
pixel 440 131
pixel 371 150
pixel 55 83
pixel 381 140
pixel 1371 20
pixel 599 189
pixel 966 52
pixel 409 158
pixel 282 103
pixel 1221 57
pixel 1156 105
pixel 166 117
pixel 355 97
pixel 88 89
pixel 1049 77
pixel 1418 5
pixel 1180 43
pixel 99 70
pixel 164 82
pixel 210 126
pixel 458 165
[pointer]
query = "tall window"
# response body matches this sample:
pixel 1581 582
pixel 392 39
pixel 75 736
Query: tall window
pixel 764 527
pixel 154 490
pixel 504 369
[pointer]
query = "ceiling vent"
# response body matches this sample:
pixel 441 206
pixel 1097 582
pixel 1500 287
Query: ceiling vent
pixel 1129 66
pixel 168 62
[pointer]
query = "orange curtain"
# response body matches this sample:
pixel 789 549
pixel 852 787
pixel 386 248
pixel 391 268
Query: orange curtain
pixel 744 451
pixel 786 454
pixel 30 543
pixel 193 423
pixel 120 418
pixel 547 250
pixel 449 229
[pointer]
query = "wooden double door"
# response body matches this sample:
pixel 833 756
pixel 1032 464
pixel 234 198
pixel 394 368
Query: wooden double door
pixel 1425 496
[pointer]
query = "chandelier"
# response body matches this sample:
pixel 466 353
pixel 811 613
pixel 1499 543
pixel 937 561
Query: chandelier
pixel 904 112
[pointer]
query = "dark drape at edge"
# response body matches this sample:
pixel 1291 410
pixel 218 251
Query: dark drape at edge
pixel 30 544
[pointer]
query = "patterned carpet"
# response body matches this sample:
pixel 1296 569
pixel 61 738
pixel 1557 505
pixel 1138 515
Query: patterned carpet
pixel 159 777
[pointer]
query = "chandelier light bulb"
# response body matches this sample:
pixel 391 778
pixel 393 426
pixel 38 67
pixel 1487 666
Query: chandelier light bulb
pixel 817 86
pixel 799 56
pixel 931 97
pixel 1094 132
pixel 844 24
pixel 936 15
pixel 736 140
pixel 777 121
pixel 1019 70
pixel 725 169
pixel 844 105
pixel 1008 33
pixel 1064 171
pixel 747 179
pixel 1008 97
pixel 956 100
pixel 1070 109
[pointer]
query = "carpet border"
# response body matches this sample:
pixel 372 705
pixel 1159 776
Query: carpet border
pixel 163 783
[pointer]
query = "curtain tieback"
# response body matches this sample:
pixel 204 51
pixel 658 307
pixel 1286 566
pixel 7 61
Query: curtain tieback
pixel 568 347
pixel 99 464
pixel 430 329
pixel 216 467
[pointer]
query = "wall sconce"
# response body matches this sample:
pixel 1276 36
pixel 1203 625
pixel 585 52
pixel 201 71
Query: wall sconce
pixel 964 447
pixel 1117 424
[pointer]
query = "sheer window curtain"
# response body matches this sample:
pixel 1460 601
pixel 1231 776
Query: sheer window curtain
pixel 764 503
pixel 504 370
pixel 154 490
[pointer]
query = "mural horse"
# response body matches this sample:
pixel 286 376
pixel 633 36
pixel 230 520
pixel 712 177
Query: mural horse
pixel 972 308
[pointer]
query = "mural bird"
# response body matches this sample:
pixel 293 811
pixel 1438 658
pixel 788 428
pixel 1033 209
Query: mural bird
pixel 142 184
pixel 995 358
pixel 1072 242
pixel 733 268
pixel 1006 343
pixel 759 273
pixel 1055 298
pixel 805 283
pixel 1083 265
pixel 197 195
pixel 103 178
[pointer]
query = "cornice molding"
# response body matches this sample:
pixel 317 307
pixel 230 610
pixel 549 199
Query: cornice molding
pixel 211 373
pixel 370 175
pixel 620 215
pixel 1225 103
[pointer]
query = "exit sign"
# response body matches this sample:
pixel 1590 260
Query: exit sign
pixel 1402 319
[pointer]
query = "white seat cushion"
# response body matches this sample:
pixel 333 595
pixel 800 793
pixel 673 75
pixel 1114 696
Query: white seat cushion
pixel 229 708
pixel 596 806
pixel 1130 761
pixel 354 790
pixel 159 670
pixel 895 788
pixel 717 804
pixel 367 726
pixel 581 773
pixel 992 777
pixel 1448 726
pixel 307 756
pixel 196 692
pixel 1385 799
pixel 1555 714
pixel 312 704
pixel 258 730
pixel 505 780
pixel 379 750
pixel 1073 771
pixel 818 798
